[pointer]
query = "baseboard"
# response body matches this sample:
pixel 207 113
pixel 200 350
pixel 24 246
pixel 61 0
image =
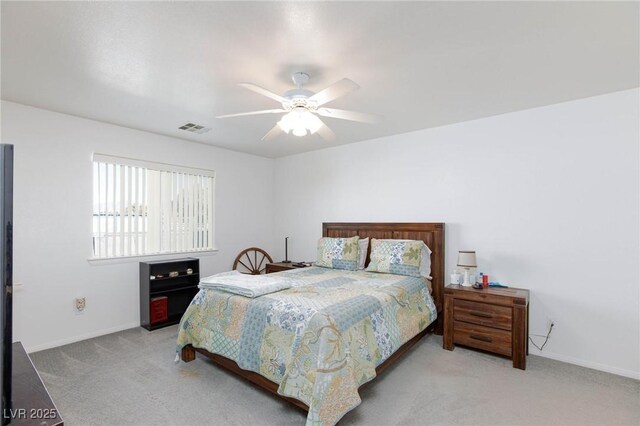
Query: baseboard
pixel 62 342
pixel 588 364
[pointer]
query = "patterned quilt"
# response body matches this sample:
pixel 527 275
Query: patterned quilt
pixel 319 340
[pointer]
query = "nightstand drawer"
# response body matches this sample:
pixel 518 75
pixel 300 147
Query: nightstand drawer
pixel 481 337
pixel 483 314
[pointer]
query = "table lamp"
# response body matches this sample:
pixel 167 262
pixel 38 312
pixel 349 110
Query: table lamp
pixel 466 260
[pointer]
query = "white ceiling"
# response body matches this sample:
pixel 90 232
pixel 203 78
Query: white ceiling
pixel 155 66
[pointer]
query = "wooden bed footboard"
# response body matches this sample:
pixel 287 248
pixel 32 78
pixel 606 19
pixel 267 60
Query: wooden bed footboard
pixel 189 354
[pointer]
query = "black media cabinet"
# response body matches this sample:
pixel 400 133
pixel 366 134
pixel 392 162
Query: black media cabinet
pixel 179 290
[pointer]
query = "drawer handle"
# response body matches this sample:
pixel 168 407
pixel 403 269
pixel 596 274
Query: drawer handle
pixel 481 314
pixel 483 338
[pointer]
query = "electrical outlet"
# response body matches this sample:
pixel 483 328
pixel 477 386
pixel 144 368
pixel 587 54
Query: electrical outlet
pixel 80 304
pixel 550 323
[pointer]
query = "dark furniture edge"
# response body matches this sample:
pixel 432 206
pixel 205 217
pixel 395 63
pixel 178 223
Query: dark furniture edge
pixel 30 393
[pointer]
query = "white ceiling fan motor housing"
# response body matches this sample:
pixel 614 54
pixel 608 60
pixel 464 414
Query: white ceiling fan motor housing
pixel 298 97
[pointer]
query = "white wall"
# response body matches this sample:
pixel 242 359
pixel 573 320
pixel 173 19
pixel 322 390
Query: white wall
pixel 548 197
pixel 53 204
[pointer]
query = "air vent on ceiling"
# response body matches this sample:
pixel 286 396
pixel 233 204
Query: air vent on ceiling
pixel 194 128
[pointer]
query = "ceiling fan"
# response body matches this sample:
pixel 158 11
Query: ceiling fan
pixel 302 108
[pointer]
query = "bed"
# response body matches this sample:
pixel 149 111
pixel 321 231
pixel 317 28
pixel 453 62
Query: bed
pixel 317 342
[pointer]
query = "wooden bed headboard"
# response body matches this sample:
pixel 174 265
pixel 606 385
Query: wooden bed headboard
pixel 431 233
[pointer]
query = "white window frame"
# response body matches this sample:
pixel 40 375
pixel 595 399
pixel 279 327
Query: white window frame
pixel 168 169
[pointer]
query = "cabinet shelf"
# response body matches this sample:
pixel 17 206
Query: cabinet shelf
pixel 155 293
pixel 174 293
pixel 173 278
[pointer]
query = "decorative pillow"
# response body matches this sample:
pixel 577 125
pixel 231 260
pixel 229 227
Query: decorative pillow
pixel 401 257
pixel 425 261
pixel 363 245
pixel 338 253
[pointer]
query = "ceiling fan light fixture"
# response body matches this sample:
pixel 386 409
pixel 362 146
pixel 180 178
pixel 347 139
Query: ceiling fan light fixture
pixel 286 123
pixel 312 122
pixel 298 121
pixel 299 131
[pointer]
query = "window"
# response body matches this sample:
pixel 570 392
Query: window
pixel 143 208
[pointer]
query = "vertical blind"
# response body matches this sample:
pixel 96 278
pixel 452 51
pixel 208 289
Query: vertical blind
pixel 142 208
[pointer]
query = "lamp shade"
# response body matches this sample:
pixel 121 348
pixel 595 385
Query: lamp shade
pixel 467 259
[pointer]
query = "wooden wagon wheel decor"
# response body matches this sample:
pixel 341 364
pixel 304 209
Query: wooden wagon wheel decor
pixel 252 261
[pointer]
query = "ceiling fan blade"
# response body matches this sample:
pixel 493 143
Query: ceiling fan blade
pixel 263 91
pixel 334 91
pixel 326 133
pixel 266 111
pixel 272 134
pixel 347 115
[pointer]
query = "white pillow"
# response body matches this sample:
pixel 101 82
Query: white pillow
pixel 425 261
pixel 363 245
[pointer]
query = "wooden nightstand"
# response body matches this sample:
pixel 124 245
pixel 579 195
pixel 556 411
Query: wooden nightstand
pixel 281 266
pixel 492 319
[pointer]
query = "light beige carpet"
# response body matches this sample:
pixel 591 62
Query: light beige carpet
pixel 130 378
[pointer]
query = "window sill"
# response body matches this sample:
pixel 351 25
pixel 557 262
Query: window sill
pixel 143 257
